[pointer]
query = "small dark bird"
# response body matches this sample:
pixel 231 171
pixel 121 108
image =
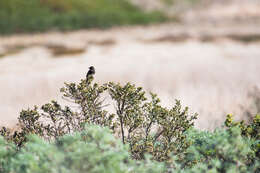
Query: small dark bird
pixel 91 72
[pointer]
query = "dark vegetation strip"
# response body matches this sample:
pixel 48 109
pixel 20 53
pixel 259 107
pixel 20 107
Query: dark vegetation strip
pixel 26 16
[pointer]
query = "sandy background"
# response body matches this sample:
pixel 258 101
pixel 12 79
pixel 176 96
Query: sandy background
pixel 207 65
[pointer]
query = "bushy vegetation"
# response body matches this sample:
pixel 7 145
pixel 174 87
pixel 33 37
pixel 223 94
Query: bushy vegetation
pixel 40 15
pixel 143 124
pixel 94 149
pixel 251 131
pixel 141 136
pixel 220 151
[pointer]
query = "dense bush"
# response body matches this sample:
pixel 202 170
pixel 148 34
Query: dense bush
pixel 143 124
pixel 94 149
pixel 147 126
pixel 220 151
pixel 251 130
pixel 87 138
pixel 41 15
pixel 232 149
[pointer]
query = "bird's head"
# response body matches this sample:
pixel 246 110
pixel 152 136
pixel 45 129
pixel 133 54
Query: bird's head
pixel 91 68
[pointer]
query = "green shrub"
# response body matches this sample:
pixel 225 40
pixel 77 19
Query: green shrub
pixel 94 149
pixel 235 149
pixel 251 130
pixel 145 125
pixel 55 139
pixel 221 151
pixel 7 152
pixel 53 121
pixel 41 15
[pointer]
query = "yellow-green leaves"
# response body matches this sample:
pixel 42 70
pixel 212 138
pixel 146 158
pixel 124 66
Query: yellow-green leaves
pixel 140 122
pixel 146 125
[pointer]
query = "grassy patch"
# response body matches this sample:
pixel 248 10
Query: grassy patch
pixel 18 16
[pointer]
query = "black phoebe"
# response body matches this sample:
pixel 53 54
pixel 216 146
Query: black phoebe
pixel 91 72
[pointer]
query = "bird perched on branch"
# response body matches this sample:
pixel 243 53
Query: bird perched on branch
pixel 90 73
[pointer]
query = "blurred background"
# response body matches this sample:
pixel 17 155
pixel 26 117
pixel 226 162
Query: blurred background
pixel 205 53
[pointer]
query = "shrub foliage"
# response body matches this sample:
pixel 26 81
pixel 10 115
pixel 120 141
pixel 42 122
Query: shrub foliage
pixel 84 137
pixel 93 150
pixel 143 124
pixel 251 130
pixel 220 151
